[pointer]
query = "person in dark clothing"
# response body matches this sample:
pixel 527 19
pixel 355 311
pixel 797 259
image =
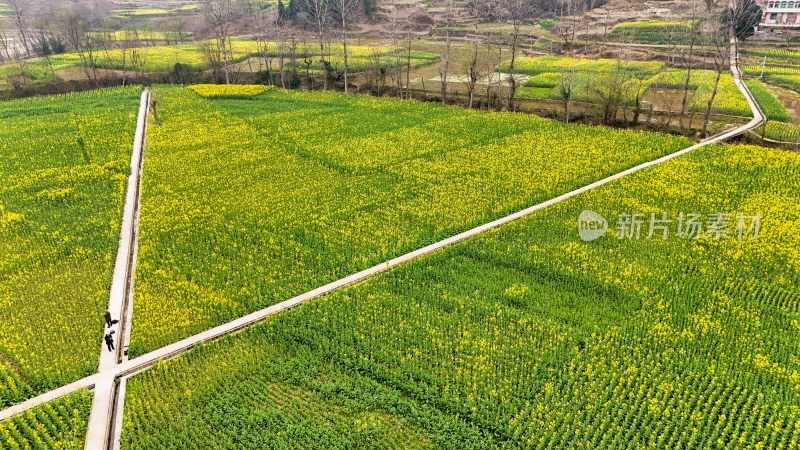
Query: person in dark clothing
pixel 107 316
pixel 110 341
pixel 153 109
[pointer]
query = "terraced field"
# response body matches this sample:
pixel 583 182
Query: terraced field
pixel 772 73
pixel 593 81
pixel 528 337
pixel 654 31
pixel 63 162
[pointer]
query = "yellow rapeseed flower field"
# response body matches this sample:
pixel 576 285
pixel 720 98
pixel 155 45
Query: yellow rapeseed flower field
pixel 528 337
pixel 63 162
pixel 246 203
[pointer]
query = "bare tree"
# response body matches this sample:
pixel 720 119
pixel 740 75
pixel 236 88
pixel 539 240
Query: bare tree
pixel 566 87
pixel 514 11
pixel 399 55
pixel 408 64
pixel 566 28
pixel 220 16
pixel 636 88
pixel 20 20
pixel 293 57
pixel 691 35
pixel 444 67
pixel 319 15
pixel 474 69
pixel 377 71
pixel 348 11
pixel 5 50
pixel 212 56
pixel 47 45
pixel 282 51
pixel 488 9
pixel 721 59
pixel 610 92
pixel 494 82
pixel 74 26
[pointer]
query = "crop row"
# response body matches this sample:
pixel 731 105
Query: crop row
pixel 779 53
pixel 218 91
pixel 542 64
pixel 655 25
pixel 771 107
pixel 140 36
pixel 787 81
pixel 60 424
pixel 153 12
pixel 781 131
pixel 527 337
pixel 657 31
pixel 63 165
pixel 770 70
pixel 247 203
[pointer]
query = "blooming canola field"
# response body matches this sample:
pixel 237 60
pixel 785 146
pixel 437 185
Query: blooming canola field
pixel 59 424
pixel 63 165
pixel 529 337
pixel 247 202
pixel 659 310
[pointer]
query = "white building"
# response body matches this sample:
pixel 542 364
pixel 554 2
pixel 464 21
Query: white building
pixel 780 15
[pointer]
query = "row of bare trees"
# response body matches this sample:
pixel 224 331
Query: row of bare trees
pixel 470 63
pixel 324 17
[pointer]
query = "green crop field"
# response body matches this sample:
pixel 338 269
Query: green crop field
pixel 654 31
pixel 590 78
pixel 562 64
pixel 781 131
pixel 787 80
pixel 141 13
pixel 137 35
pixel 789 55
pixel 776 66
pixel 527 337
pixel 60 424
pixel 63 162
pixel 770 71
pixel 409 252
pixel 771 107
pixel 247 202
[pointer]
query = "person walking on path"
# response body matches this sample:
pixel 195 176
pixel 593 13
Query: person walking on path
pixel 110 341
pixel 153 109
pixel 109 322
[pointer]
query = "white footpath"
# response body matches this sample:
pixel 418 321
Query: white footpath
pixel 105 385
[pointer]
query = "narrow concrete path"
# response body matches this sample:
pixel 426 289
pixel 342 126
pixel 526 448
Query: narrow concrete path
pixel 119 402
pixel 120 300
pixel 105 423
